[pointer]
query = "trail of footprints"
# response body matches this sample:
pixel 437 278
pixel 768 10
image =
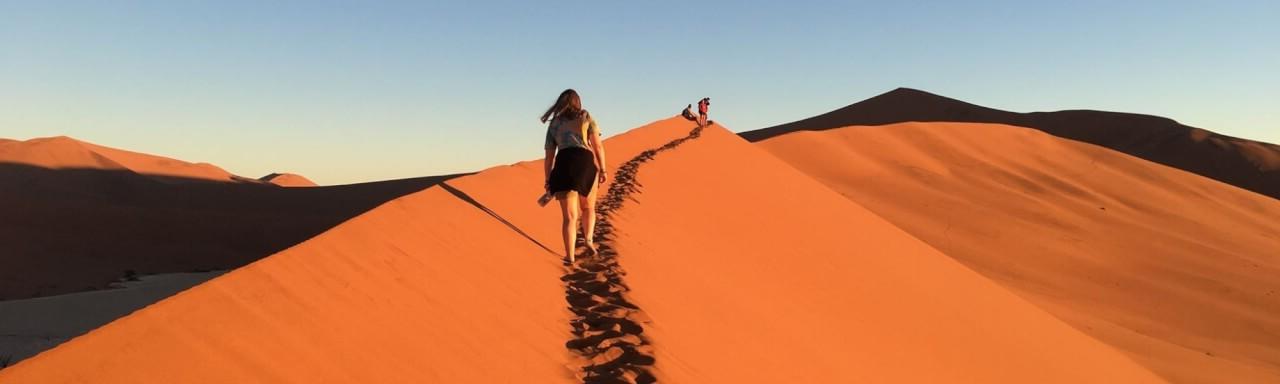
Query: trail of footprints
pixel 607 327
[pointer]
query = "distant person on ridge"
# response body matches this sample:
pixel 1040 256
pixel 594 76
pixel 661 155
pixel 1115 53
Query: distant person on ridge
pixel 702 111
pixel 573 166
pixel 688 113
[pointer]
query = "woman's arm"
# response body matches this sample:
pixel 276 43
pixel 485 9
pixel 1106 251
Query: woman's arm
pixel 546 167
pixel 550 146
pixel 594 132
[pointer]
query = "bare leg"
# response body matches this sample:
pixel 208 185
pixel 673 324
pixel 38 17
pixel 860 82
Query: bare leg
pixel 569 208
pixel 588 204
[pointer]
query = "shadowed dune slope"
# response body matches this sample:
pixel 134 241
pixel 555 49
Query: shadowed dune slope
pixel 70 230
pixel 1247 164
pixel 743 282
pixel 1175 269
pixel 426 288
pixel 78 216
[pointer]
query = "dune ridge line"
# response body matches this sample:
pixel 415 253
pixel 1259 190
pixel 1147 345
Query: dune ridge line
pixel 607 328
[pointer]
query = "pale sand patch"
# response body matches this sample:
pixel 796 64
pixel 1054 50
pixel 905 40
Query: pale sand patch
pixel 30 326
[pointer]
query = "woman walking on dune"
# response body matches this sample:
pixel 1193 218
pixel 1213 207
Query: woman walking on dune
pixel 573 166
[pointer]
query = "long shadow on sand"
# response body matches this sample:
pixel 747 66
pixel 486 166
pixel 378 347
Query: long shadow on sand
pixel 607 328
pixel 467 198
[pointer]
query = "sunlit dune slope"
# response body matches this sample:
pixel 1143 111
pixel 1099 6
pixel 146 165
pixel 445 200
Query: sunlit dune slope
pixel 753 272
pixel 744 266
pixel 1175 269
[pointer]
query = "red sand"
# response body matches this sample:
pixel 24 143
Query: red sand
pixel 1177 270
pixel 744 265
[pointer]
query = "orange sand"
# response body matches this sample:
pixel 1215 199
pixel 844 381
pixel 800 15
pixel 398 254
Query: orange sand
pixel 753 272
pixel 749 270
pixel 1177 270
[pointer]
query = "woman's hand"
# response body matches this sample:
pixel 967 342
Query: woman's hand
pixel 603 176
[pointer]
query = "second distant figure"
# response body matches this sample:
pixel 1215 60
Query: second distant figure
pixel 573 166
pixel 702 110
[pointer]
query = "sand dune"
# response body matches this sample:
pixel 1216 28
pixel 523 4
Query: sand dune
pixel 1247 164
pixel 1177 270
pixel 63 152
pixel 456 284
pixel 288 180
pixel 780 289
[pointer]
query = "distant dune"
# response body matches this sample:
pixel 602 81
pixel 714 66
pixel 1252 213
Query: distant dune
pixel 63 152
pixel 1177 270
pixel 78 216
pixel 288 180
pixel 746 269
pixel 1247 164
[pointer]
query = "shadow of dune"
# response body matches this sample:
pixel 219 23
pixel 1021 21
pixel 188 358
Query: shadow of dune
pixel 71 230
pixel 1247 164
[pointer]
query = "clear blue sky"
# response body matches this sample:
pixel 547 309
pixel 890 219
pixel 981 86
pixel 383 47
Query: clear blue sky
pixel 348 91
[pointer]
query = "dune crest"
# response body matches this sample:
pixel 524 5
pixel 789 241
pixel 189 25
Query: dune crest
pixel 62 152
pixel 1177 270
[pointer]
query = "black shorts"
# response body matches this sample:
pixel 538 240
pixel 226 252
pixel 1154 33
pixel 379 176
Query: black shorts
pixel 574 170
